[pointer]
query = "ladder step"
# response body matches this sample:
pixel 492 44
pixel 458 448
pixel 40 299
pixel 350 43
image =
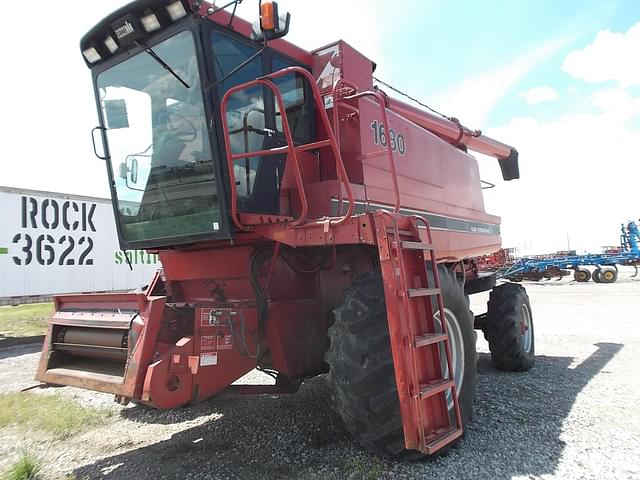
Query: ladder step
pixel 423 292
pixel 402 233
pixel 438 386
pixel 429 339
pixel 442 439
pixel 416 245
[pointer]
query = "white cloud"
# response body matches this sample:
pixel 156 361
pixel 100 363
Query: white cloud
pixel 537 95
pixel 578 177
pixel 611 99
pixel 473 99
pixel 611 56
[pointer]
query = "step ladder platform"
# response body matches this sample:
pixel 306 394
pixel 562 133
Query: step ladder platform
pixel 433 388
pixel 407 245
pixel 442 438
pixel 423 292
pixel 401 233
pixel 429 339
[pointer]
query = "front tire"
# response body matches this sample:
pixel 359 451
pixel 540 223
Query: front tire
pixel 361 365
pixel 510 328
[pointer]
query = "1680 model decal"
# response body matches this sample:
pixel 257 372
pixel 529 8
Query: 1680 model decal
pixel 380 137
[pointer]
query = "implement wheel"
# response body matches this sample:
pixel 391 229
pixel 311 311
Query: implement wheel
pixel 510 328
pixel 608 275
pixel 596 276
pixel 582 275
pixel 362 377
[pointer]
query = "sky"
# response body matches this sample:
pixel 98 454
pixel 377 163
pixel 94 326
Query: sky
pixel 559 81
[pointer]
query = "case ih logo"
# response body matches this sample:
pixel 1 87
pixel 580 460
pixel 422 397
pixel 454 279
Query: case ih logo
pixel 124 30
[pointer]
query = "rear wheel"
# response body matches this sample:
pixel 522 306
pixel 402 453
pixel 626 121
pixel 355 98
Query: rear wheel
pixel 596 276
pixel 609 275
pixel 361 366
pixel 510 328
pixel 582 275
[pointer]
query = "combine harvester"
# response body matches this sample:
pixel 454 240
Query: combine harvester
pixel 306 223
pixel 606 264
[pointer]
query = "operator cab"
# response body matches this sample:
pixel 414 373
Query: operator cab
pixel 160 70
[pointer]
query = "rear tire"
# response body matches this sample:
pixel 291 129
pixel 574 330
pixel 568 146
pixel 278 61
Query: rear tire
pixel 362 375
pixel 510 328
pixel 608 275
pixel 596 276
pixel 582 275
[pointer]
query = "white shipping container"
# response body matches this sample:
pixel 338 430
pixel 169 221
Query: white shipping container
pixel 52 243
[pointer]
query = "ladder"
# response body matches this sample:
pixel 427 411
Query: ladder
pixel 416 342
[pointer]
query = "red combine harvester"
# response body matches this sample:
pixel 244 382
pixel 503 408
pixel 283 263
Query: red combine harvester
pixel 306 223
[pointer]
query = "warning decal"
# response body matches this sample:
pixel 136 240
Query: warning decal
pixel 208 342
pixel 220 341
pixel 225 342
pixel 209 358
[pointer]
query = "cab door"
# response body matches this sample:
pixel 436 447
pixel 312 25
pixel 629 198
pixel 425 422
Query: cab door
pixel 255 122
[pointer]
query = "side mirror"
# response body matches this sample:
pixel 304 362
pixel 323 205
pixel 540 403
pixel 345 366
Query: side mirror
pixel 116 113
pixel 271 24
pixel 134 171
pixel 129 174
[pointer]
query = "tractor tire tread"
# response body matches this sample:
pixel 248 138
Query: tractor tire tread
pixel 362 375
pixel 503 335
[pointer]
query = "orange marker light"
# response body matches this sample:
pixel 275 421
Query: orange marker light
pixel 267 16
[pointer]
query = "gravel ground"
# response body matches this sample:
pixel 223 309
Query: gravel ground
pixel 574 415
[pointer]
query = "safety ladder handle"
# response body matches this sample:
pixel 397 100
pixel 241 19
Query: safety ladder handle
pixel 317 97
pixel 383 111
pixel 289 149
pixel 443 320
pixel 341 83
pixel 409 322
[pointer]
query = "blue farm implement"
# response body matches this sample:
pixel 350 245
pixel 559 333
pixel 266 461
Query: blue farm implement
pixel 606 271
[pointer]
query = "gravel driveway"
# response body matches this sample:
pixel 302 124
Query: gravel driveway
pixel 574 415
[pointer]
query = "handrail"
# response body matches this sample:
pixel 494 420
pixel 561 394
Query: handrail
pixel 392 165
pixel 289 149
pixel 267 80
pixel 336 122
pixel 317 97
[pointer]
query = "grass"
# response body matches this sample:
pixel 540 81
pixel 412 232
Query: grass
pixel 55 414
pixel 25 320
pixel 26 468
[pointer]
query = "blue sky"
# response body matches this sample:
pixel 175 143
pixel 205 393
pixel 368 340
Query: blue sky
pixel 461 39
pixel 560 81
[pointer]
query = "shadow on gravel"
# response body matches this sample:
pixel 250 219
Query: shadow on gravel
pixel 515 432
pixel 18 350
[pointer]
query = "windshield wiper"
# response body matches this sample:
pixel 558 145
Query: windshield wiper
pixel 164 64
